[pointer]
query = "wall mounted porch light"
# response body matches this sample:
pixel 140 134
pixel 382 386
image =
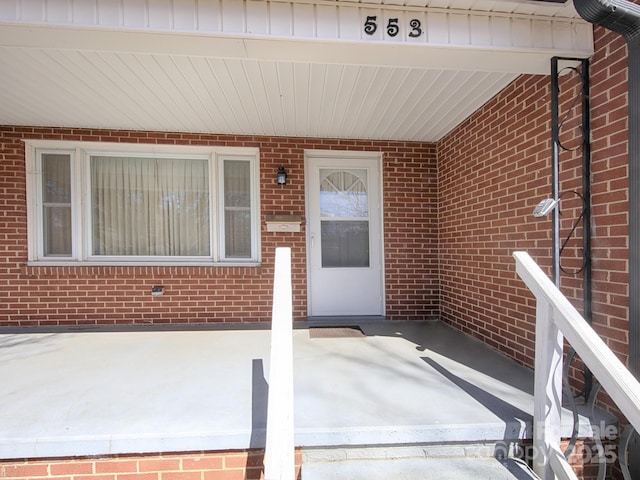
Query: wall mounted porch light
pixel 281 176
pixel 545 207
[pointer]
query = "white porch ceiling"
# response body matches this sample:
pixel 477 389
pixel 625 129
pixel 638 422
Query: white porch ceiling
pixel 275 68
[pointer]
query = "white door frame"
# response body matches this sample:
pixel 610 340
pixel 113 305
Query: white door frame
pixel 375 213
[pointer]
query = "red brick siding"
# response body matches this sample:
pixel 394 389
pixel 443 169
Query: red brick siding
pixel 495 167
pixel 229 465
pixel 45 295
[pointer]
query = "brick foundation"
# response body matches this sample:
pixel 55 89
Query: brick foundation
pixel 224 465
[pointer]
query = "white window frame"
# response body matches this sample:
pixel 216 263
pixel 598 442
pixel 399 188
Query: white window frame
pixel 80 153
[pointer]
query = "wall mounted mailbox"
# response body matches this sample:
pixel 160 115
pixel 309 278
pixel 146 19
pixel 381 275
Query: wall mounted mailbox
pixel 283 223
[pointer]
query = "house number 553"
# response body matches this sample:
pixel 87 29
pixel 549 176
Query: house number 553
pixel 393 27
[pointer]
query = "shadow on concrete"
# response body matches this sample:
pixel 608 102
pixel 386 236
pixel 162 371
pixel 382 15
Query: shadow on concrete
pixel 259 406
pixel 512 416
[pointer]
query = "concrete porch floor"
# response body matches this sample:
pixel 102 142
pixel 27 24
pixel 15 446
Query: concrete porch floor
pixel 100 391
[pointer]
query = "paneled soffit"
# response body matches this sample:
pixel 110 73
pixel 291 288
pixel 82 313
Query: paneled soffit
pixel 405 69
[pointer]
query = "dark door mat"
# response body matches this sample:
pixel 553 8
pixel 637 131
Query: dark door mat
pixel 335 332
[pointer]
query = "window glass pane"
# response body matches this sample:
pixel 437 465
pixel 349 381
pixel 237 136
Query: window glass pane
pixel 344 243
pixel 343 193
pixel 150 206
pixel 237 208
pixel 56 204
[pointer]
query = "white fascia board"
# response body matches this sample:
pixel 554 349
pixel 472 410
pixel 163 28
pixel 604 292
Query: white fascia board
pixel 316 33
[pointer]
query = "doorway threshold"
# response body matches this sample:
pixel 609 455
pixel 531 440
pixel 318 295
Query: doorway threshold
pixel 342 321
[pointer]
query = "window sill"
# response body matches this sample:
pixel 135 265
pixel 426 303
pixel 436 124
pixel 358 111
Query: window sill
pixel 137 263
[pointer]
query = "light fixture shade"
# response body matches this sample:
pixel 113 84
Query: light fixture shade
pixel 281 176
pixel 545 207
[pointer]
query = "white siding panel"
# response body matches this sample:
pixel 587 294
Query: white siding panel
pixel 431 87
pixel 342 96
pixel 287 85
pixel 416 28
pixel 501 32
pixel 233 16
pixel 583 35
pixel 122 70
pixel 331 110
pixel 521 31
pixel 152 76
pixel 205 100
pixel 304 20
pixel 563 36
pixel 438 28
pixel 135 14
pixel 179 84
pixel 83 12
pixel 209 16
pixel 302 86
pixel 361 98
pixel 19 81
pixel 245 104
pixel 257 18
pixel 32 10
pixel 480 30
pixel 392 24
pixel 459 31
pixel 542 34
pixel 160 14
pixel 317 81
pixel 447 24
pixel 327 21
pixel 104 91
pixel 256 103
pixel 219 99
pixel 371 15
pixel 232 88
pixel 350 25
pixel 385 101
pixel 372 93
pixel 411 105
pixel 109 14
pixel 57 11
pixel 274 96
pixel 9 10
pixel 185 15
pixel 404 100
pixel 281 19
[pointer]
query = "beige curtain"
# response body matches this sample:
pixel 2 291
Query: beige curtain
pixel 237 209
pixel 56 204
pixel 150 206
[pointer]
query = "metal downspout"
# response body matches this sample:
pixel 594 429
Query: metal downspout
pixel 623 17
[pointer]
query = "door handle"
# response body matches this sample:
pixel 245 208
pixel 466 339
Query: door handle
pixel 313 238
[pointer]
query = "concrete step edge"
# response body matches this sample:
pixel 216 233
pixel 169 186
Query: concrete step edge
pixel 441 468
pixel 394 452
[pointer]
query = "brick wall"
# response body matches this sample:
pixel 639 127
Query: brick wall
pixel 45 295
pixel 493 170
pixel 229 465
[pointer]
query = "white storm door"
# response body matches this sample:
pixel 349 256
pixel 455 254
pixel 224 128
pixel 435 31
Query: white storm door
pixel 344 244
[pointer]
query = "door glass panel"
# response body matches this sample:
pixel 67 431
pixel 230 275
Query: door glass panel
pixel 343 193
pixel 345 243
pixel 344 218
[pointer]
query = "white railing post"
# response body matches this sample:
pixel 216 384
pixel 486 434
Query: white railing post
pixel 557 318
pixel 279 456
pixel 547 394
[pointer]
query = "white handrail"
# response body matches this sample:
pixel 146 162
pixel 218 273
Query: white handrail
pixel 555 317
pixel 279 457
